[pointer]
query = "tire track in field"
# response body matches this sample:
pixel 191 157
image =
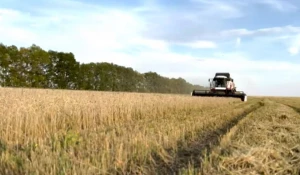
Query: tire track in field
pixel 286 103
pixel 296 109
pixel 194 152
pixel 268 118
pixel 293 107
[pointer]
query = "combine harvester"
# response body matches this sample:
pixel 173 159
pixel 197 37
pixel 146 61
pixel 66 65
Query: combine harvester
pixel 221 85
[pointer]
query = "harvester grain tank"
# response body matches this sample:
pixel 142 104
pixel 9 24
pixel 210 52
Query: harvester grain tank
pixel 222 85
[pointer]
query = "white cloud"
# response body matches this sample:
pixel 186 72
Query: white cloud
pixel 151 43
pixel 201 44
pixel 293 50
pixel 220 9
pixel 294 45
pixel 111 35
pixel 287 35
pixel 11 33
pixel 8 12
pixel 192 20
pixel 238 42
pixel 261 32
pixel 280 5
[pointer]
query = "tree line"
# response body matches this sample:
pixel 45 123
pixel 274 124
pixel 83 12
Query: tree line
pixel 36 68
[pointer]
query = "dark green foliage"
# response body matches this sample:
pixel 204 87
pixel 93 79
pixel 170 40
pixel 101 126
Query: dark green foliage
pixel 63 70
pixel 34 67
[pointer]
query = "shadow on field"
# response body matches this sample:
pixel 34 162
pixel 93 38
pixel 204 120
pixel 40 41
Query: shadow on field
pixel 191 153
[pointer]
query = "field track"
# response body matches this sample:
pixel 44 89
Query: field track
pixel 266 141
pixel 68 132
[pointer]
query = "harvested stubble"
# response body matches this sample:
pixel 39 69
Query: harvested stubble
pixel 265 142
pixel 80 132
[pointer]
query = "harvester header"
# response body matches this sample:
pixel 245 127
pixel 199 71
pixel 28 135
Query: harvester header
pixel 221 85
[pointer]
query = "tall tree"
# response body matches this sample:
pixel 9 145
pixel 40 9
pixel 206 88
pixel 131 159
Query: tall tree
pixel 34 67
pixel 4 64
pixel 64 70
pixel 14 74
pixel 35 63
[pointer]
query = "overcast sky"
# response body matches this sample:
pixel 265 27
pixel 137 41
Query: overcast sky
pixel 257 41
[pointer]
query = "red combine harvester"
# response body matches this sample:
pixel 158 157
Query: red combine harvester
pixel 221 85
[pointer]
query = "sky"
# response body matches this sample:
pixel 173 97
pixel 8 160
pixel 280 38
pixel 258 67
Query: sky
pixel 256 41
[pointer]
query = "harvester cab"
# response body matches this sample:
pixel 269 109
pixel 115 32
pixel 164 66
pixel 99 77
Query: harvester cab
pixel 222 85
pixel 222 82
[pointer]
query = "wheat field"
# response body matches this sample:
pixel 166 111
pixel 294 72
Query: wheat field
pixel 87 132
